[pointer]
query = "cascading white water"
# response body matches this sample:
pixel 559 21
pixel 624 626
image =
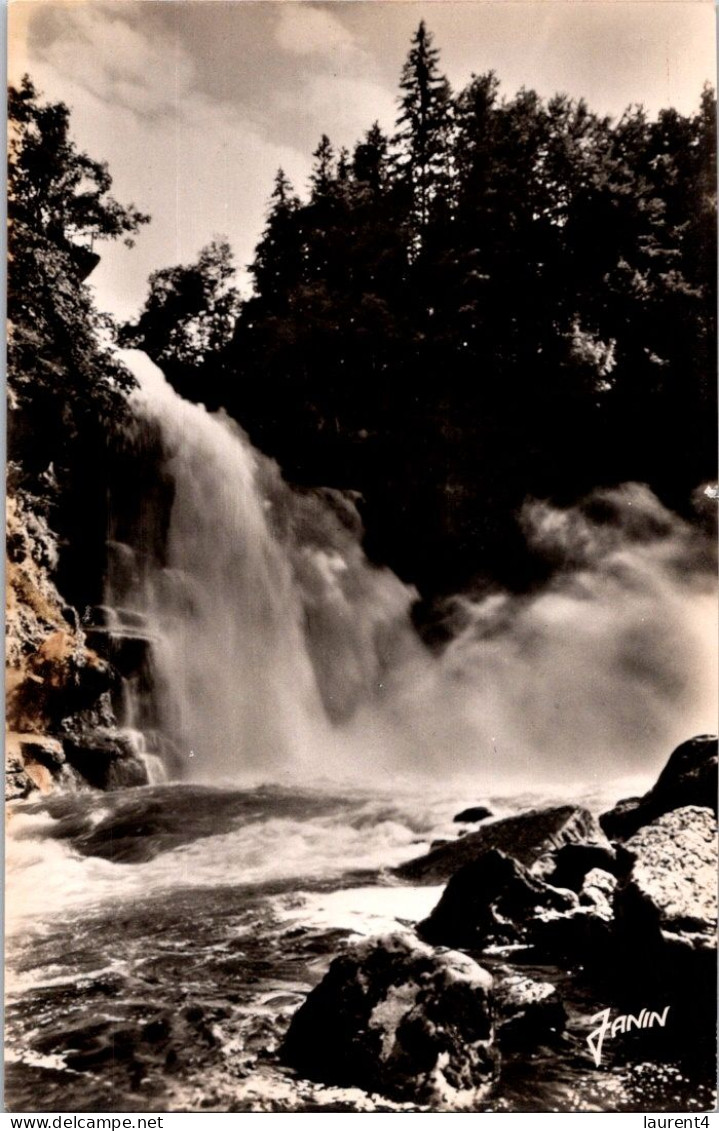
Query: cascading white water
pixel 278 648
pixel 262 627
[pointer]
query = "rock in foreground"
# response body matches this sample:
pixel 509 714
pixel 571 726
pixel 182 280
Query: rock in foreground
pixel 106 759
pixel 667 905
pixel 573 862
pixel 393 1016
pixel 490 902
pixel 689 778
pixel 525 838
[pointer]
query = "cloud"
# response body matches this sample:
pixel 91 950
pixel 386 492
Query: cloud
pixel 100 52
pixel 194 105
pixel 198 165
pixel 345 105
pixel 303 30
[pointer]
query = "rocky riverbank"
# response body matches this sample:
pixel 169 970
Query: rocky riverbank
pixel 625 905
pixel 552 922
pixel 232 906
pixel 62 729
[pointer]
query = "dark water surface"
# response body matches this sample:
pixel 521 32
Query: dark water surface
pixel 161 938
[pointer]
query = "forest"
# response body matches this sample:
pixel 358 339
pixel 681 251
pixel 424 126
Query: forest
pixel 506 298
pixel 323 705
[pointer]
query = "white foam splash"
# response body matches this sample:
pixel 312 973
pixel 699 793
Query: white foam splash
pixel 280 647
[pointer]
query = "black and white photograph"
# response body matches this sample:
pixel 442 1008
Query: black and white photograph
pixel 361 557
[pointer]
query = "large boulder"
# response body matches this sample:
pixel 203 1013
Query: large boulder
pixel 526 838
pixel 106 759
pixel 490 902
pixel 395 1017
pixel 689 778
pixel 666 905
pixel 573 862
pixel 581 934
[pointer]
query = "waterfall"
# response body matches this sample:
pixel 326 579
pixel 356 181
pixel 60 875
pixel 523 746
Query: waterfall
pixel 268 623
pixel 277 648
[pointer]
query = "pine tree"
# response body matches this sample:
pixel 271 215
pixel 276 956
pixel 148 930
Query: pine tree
pixel 370 164
pixel 424 133
pixel 322 177
pixel 278 258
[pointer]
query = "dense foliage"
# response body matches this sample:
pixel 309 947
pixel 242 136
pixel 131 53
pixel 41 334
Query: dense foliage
pixel 189 315
pixel 66 389
pixel 508 297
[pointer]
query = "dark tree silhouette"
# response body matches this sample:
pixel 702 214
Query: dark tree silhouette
pixel 512 297
pixel 188 317
pixel 422 143
pixel 66 389
pixel 60 378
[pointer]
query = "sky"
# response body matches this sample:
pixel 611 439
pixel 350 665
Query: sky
pixel 195 104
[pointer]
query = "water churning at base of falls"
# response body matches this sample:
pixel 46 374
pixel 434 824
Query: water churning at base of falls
pixel 279 650
pixel 268 624
pixel 161 937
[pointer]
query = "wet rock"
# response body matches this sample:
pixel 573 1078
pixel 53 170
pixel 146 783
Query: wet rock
pixel 574 861
pixel 689 778
pixel 597 892
pixel 490 901
pixel 120 636
pixel 36 762
pixel 624 819
pixel 581 936
pixel 42 749
pixel 106 759
pixel 469 816
pixel 99 616
pixel 525 838
pixel 666 905
pixel 18 783
pixel 47 767
pixel 529 1013
pixel 395 1017
pixel 495 902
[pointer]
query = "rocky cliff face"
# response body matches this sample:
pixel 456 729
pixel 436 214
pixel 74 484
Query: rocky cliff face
pixel 62 731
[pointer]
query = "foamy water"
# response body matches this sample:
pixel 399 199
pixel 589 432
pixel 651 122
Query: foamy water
pixel 48 877
pixel 281 649
pixel 207 948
